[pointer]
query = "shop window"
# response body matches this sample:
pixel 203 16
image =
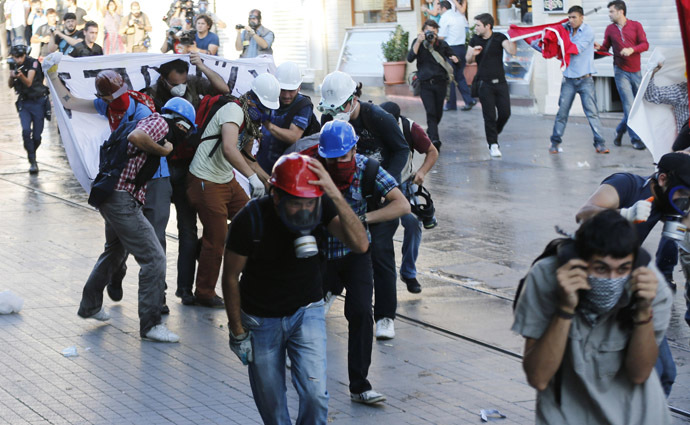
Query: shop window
pixel 513 12
pixel 376 11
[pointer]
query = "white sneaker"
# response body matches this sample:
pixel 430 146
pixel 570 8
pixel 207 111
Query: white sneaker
pixel 102 315
pixel 329 299
pixel 368 397
pixel 160 333
pixel 494 151
pixel 385 328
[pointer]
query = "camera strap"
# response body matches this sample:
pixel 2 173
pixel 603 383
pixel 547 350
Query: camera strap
pixel 488 44
pixel 441 61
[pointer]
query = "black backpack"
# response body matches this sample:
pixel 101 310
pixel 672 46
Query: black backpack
pixel 313 126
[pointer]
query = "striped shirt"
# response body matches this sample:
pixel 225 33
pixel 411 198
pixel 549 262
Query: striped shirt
pixel 675 95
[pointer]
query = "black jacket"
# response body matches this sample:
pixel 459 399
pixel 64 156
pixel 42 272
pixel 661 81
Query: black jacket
pixel 427 67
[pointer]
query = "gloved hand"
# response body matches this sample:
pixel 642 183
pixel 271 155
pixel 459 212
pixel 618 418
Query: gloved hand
pixel 241 345
pixel 51 61
pixel 638 213
pixel 258 188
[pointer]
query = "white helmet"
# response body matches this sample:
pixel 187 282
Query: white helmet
pixel 266 88
pixel 336 89
pixel 289 76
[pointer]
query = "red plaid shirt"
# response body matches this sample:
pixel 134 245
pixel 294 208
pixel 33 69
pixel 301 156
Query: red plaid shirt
pixel 155 126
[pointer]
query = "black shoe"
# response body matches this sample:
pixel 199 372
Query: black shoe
pixel 430 223
pixel 469 106
pixel 165 309
pixel 618 140
pixel 448 108
pixel 115 291
pixel 186 296
pixel 413 285
pixel 637 144
pixel 437 144
pixel 33 169
pixel 215 302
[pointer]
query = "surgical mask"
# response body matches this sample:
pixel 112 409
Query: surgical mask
pixel 342 173
pixel 604 295
pixel 345 116
pixel 179 90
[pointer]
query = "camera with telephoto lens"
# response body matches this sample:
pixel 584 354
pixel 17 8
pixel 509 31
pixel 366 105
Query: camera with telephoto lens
pixel 187 38
pixel 239 27
pixel 429 35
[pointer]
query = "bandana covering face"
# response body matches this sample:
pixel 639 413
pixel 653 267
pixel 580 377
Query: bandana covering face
pixel 342 173
pixel 117 110
pixel 603 296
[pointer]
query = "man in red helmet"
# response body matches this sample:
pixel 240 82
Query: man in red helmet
pixel 275 242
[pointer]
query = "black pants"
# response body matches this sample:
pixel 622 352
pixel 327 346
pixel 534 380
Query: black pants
pixel 433 94
pixel 494 97
pixel 354 272
pixel 385 276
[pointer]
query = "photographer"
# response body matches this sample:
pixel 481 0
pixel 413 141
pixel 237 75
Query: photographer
pixel 433 73
pixel 44 34
pixel 185 11
pixel 26 77
pixel 178 40
pixel 134 28
pixel 65 40
pixel 205 41
pixel 255 40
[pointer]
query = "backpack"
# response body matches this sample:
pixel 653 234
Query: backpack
pixel 208 107
pixel 313 126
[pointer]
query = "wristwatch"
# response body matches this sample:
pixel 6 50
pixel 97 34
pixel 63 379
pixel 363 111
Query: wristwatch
pixel 363 219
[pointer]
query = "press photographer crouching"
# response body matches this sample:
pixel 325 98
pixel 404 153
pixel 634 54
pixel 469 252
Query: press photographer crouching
pixel 26 77
pixel 178 40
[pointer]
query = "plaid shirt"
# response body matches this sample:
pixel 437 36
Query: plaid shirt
pixel 675 95
pixel 155 126
pixel 353 195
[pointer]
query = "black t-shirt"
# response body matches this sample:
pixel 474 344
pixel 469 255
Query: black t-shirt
pixel 275 283
pixel 427 66
pixel 63 46
pixel 632 188
pixel 490 68
pixel 81 50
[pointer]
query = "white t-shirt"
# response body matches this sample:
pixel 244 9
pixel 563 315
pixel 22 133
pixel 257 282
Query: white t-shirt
pixel 453 27
pixel 216 169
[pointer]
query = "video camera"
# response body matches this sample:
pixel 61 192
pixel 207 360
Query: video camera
pixel 187 37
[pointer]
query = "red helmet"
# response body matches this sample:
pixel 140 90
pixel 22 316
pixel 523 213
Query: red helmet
pixel 291 174
pixel 109 83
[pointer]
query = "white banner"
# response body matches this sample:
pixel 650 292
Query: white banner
pixel 656 124
pixel 82 134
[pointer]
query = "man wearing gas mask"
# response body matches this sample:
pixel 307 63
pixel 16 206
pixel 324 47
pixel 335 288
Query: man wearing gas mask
pixel 212 188
pixel 349 269
pixel 276 243
pixel 644 201
pixel 592 317
pixel 255 40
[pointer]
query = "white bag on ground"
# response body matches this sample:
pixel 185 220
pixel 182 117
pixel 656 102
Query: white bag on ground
pixel 10 303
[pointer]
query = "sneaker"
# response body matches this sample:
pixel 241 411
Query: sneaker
pixel 102 315
pixel 618 140
pixel 469 106
pixel 114 290
pixel 413 285
pixel 555 148
pixel 160 333
pixel 637 144
pixel 385 329
pixel 186 296
pixel 329 300
pixel 215 302
pixel 601 148
pixel 368 397
pixel 494 151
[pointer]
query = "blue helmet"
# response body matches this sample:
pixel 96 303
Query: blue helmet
pixel 182 107
pixel 337 138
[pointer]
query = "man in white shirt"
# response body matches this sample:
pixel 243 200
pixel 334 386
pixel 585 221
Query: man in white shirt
pixel 453 30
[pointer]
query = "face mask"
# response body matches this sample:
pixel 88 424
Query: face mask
pixel 345 116
pixel 342 173
pixel 604 295
pixel 117 110
pixel 178 90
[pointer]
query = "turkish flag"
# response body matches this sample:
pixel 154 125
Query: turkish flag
pixel 683 7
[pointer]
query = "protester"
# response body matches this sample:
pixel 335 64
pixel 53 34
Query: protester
pixel 64 40
pixel 32 100
pixel 631 193
pixel 278 302
pixel 578 79
pixel 206 41
pixel 411 179
pixel 585 294
pixel 112 19
pixel 213 190
pixel 493 88
pixel 44 34
pixel 628 40
pixel 350 269
pixel 380 138
pixel 255 40
pixel 88 47
pixel 675 95
pixel 453 29
pixel 287 124
pixel 434 74
pixel 135 28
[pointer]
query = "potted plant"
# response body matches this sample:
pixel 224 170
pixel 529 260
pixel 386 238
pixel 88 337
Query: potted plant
pixel 395 53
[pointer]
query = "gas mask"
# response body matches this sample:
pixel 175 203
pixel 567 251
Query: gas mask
pixel 345 116
pixel 674 212
pixel 302 222
pixel 178 90
pixel 604 295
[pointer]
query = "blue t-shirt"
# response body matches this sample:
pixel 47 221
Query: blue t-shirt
pixel 270 148
pixel 203 43
pixel 137 111
pixel 632 188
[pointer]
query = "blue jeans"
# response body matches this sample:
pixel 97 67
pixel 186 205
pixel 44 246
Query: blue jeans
pixel 304 336
pixel 459 75
pixel 569 88
pixel 412 238
pixel 31 115
pixel 627 84
pixel 665 367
